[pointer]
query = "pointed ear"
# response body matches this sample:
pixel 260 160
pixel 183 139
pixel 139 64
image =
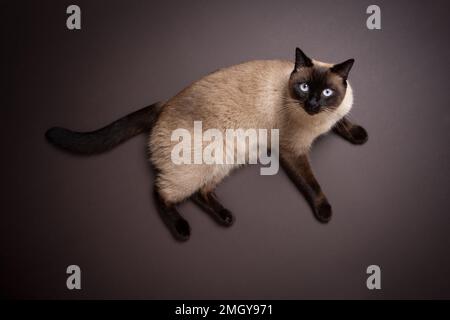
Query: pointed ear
pixel 301 60
pixel 343 69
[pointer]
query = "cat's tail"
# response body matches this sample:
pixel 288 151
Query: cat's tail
pixel 106 138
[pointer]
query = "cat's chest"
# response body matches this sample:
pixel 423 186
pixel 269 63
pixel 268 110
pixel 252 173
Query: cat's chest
pixel 310 130
pixel 300 135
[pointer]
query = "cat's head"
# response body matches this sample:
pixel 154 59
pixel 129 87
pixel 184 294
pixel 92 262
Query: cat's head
pixel 318 86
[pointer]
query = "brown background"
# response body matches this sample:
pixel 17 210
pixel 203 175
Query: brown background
pixel 390 196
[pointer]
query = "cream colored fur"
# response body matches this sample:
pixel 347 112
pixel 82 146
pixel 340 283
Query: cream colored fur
pixel 250 95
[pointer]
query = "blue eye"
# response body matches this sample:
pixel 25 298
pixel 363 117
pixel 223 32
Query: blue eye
pixel 327 92
pixel 304 87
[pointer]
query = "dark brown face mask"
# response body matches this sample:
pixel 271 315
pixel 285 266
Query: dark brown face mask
pixel 318 88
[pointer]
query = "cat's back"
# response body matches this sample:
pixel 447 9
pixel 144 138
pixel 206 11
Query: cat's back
pixel 240 96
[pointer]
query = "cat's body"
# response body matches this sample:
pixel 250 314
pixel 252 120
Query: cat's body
pixel 271 94
pixel 263 101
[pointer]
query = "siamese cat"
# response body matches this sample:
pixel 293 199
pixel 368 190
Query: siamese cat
pixel 303 100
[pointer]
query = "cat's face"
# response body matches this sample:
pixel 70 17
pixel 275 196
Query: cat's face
pixel 318 87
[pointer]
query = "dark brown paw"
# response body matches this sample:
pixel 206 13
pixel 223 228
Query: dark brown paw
pixel 359 135
pixel 225 218
pixel 182 230
pixel 323 212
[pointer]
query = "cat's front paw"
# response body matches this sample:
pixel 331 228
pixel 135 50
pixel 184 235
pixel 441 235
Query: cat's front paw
pixel 323 212
pixel 358 135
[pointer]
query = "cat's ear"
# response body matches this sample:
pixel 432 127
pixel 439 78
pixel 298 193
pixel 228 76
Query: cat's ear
pixel 301 60
pixel 343 69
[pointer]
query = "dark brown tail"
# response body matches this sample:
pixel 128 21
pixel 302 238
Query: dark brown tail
pixel 106 138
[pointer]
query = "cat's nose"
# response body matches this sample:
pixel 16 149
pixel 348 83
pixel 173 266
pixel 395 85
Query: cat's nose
pixel 313 102
pixel 312 105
